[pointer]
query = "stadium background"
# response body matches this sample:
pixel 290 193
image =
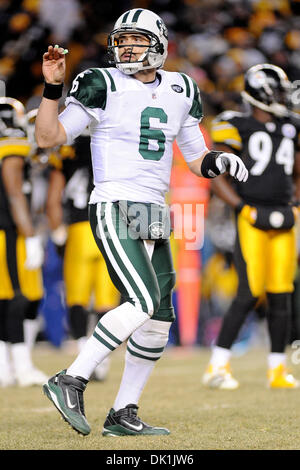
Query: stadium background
pixel 213 41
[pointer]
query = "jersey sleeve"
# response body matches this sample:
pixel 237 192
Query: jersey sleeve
pixel 191 142
pixel 89 90
pixel 74 118
pixel 192 92
pixel 225 132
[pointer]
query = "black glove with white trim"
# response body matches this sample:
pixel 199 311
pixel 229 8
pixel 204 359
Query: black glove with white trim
pixel 217 163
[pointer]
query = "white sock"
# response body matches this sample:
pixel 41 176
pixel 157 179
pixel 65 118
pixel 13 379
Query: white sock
pixel 275 359
pixel 220 356
pixel 134 379
pixel 21 357
pixel 111 331
pixel 31 329
pixel 5 361
pixel 81 342
pixel 144 348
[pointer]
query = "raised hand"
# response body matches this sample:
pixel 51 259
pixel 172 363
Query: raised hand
pixel 54 65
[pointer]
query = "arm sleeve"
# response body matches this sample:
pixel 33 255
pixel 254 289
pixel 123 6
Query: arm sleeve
pixel 191 142
pixel 74 120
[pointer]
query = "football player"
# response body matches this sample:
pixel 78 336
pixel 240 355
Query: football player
pixel 87 283
pixel 21 250
pixel 267 139
pixel 135 111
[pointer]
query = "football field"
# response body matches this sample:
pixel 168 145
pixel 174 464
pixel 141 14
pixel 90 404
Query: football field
pixel 252 417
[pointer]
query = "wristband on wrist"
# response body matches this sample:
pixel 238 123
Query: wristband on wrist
pixel 53 92
pixel 209 168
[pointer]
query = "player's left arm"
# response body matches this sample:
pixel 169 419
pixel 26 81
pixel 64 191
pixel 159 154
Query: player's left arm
pixel 214 163
pixel 208 163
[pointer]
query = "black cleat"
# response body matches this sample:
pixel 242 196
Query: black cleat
pixel 66 393
pixel 125 422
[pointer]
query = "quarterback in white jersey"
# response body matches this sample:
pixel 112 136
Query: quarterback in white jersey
pixel 133 127
pixel 134 111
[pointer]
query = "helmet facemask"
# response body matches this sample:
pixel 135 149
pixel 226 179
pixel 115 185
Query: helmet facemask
pixel 149 58
pixel 142 22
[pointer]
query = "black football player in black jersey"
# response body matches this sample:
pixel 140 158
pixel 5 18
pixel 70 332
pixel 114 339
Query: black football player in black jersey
pixel 265 255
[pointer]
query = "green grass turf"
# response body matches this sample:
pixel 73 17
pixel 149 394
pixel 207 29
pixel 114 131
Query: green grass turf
pixel 252 417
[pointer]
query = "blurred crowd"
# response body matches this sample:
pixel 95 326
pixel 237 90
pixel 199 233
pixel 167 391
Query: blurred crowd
pixel 213 41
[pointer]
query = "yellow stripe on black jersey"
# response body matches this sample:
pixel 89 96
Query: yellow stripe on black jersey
pixel 14 146
pixel 224 132
pixel 268 151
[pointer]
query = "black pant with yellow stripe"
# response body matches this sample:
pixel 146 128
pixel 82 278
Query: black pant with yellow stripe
pixel 266 262
pixel 20 289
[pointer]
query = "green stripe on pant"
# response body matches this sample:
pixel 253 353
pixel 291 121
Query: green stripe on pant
pixel 139 280
pixel 127 260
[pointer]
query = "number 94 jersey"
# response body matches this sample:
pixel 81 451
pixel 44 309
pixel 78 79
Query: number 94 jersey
pixel 268 151
pixel 133 126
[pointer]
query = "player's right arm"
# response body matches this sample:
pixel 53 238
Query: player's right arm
pixel 49 132
pixel 51 129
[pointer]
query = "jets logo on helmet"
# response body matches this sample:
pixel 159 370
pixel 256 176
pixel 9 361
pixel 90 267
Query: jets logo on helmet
pixel 267 87
pixel 162 27
pixel 143 22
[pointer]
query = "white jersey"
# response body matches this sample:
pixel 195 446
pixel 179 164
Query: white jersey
pixel 133 127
